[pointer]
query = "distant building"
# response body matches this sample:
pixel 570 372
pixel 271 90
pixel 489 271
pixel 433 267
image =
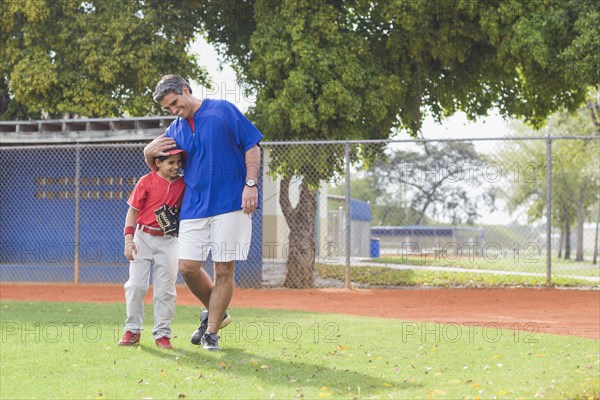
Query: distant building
pixel 418 239
pixel 360 227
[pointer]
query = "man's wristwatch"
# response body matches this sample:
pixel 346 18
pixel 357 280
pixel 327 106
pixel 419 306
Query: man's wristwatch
pixel 251 183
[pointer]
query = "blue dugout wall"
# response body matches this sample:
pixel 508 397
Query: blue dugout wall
pixel 39 209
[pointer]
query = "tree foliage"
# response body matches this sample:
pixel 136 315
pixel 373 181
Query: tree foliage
pixel 355 69
pixel 436 180
pixel 575 174
pixel 99 58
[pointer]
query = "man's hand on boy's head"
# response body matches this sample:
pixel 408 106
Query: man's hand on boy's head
pixel 159 146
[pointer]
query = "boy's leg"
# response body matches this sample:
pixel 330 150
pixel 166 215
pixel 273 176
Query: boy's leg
pixel 136 286
pixel 163 280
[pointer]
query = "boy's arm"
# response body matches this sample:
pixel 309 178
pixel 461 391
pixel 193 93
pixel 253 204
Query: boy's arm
pixel 130 222
pixel 157 148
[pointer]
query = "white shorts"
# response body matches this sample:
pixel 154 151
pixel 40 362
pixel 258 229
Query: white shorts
pixel 226 237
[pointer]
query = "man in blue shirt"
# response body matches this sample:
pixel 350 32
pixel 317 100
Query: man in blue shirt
pixel 221 175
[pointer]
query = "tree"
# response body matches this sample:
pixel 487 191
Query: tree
pixel 99 58
pixel 440 179
pixel 355 69
pixel 575 175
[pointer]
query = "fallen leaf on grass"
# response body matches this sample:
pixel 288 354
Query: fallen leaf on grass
pixel 436 392
pixel 223 365
pixel 502 393
pixel 264 366
pixel 454 381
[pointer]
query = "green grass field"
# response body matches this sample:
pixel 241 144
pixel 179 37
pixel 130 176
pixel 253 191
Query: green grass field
pixel 533 263
pixel 68 351
pixel 385 276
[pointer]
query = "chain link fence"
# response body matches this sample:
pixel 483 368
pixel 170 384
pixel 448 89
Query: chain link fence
pixel 465 212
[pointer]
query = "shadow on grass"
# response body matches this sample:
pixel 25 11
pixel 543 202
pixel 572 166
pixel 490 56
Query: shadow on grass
pixel 276 371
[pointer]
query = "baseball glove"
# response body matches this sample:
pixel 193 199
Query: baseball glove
pixel 168 219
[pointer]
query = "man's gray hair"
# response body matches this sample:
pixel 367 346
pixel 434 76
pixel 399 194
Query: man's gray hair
pixel 170 84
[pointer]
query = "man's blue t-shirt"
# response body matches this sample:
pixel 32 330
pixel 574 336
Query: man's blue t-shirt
pixel 215 166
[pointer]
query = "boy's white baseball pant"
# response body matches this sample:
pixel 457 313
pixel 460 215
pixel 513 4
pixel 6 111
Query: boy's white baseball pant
pixel 159 254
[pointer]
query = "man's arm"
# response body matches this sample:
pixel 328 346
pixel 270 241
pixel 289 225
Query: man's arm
pixel 157 148
pixel 253 162
pixel 250 194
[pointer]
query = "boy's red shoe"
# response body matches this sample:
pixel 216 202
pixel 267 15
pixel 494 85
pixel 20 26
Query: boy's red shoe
pixel 164 343
pixel 129 339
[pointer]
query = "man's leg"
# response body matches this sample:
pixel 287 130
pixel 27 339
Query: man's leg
pixel 197 280
pixel 221 294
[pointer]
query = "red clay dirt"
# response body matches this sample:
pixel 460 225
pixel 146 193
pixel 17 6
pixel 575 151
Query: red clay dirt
pixel 564 312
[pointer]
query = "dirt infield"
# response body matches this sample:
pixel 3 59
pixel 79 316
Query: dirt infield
pixel 565 312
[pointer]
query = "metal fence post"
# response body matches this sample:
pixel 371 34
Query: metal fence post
pixel 549 211
pixel 348 216
pixel 76 260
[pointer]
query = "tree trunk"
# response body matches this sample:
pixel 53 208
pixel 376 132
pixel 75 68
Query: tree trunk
pixel 4 99
pixel 594 108
pixel 567 241
pixel 561 243
pixel 301 221
pixel 580 222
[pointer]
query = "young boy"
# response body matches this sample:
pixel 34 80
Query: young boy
pixel 148 247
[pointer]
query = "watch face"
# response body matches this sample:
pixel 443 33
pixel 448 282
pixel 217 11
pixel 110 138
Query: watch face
pixel 251 182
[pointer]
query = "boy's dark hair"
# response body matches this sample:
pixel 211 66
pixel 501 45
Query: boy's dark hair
pixel 161 158
pixel 171 152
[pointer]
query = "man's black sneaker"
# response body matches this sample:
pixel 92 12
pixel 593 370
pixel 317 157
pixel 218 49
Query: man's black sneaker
pixel 210 341
pixel 197 335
